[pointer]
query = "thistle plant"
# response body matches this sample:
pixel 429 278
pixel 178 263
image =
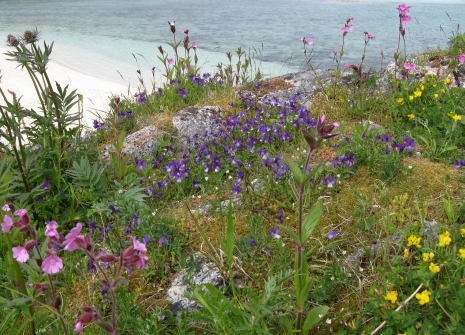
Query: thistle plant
pixel 302 281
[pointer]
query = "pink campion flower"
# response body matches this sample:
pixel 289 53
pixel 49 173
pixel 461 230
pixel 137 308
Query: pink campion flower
pixel 52 264
pixel 171 61
pixel 51 230
pixel 350 27
pixel 20 254
pixel 343 30
pixel 335 52
pixel 309 41
pixel 141 261
pixel 138 245
pixel 403 8
pixel 194 45
pixel 70 239
pixel 370 36
pixel 409 66
pixel 6 208
pixel 405 19
pixel 7 224
pixel 78 326
pixel 461 58
pixel 23 217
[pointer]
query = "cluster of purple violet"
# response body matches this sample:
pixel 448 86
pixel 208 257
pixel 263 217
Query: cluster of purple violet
pixel 243 141
pixel 406 144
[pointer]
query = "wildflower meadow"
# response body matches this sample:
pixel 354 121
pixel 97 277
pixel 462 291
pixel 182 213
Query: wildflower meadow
pixel 341 215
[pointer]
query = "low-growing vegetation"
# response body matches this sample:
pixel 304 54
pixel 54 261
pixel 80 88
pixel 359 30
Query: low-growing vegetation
pixel 345 217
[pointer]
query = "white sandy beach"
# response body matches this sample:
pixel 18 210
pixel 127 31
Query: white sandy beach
pixel 96 91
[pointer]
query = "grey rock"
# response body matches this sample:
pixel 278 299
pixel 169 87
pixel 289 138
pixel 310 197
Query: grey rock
pixel 203 272
pixel 139 144
pixel 197 120
pixel 429 231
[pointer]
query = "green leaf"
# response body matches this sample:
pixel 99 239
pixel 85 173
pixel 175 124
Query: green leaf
pixel 310 139
pixel 313 317
pixel 298 176
pixel 311 220
pixel 291 233
pixel 309 176
pixel 302 298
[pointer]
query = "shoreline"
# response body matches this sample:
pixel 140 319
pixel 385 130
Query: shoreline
pixel 95 91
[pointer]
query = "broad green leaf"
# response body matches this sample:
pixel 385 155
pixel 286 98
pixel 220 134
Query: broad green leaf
pixel 298 176
pixel 313 317
pixel 309 176
pixel 310 139
pixel 291 233
pixel 304 292
pixel 311 220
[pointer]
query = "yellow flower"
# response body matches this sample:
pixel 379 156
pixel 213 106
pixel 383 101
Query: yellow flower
pixel 435 85
pixel 462 253
pixel 423 297
pixel 417 93
pixel 428 256
pixel 406 252
pixel 443 90
pixel 444 239
pixel 391 296
pixel 447 81
pixel 462 232
pixel 414 241
pixel 410 97
pixel 434 268
pixel 422 87
pixel 436 95
pixel 400 101
pixel 411 116
pixel 457 118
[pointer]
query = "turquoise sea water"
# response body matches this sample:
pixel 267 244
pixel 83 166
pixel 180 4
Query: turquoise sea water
pixel 99 37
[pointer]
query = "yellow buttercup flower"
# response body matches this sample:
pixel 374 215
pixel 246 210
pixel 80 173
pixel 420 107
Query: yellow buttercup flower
pixel 457 117
pixel 462 253
pixel 444 239
pixel 410 97
pixel 422 87
pixel 417 93
pixel 411 116
pixel 428 256
pixel 434 268
pixel 462 232
pixel 423 297
pixel 435 85
pixel 447 81
pixel 391 296
pixel 436 95
pixel 400 101
pixel 414 241
pixel 443 90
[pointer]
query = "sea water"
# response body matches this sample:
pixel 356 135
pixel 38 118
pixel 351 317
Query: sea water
pixel 113 39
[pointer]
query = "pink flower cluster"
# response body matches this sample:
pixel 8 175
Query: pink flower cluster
pixel 403 11
pixel 347 26
pixel 306 41
pixel 409 66
pixel 461 58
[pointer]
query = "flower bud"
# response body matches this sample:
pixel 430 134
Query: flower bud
pixel 30 36
pixel 29 245
pixel 12 41
pixel 107 258
pixel 161 50
pixel 86 318
pixel 172 26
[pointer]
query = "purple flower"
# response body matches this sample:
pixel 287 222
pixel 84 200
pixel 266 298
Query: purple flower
pixel 275 233
pixel 99 125
pixel 332 234
pixel 252 242
pixel 280 216
pixel 140 164
pixel 113 209
pixel 196 183
pixel 104 292
pixel 349 160
pixel 329 182
pixel 127 230
pixel 236 189
pixel 146 239
pixel 93 226
pixel 409 144
pixel 45 185
pixel 163 240
pixel 459 163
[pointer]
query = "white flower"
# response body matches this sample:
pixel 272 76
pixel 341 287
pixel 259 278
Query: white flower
pixel 120 191
pixel 344 252
pixel 206 178
pixel 410 167
pixel 328 321
pixel 6 208
pixel 320 315
pixel 361 269
pixel 332 278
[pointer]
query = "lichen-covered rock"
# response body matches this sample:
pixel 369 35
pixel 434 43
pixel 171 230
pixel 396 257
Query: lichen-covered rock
pixel 141 143
pixel 203 272
pixel 202 121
